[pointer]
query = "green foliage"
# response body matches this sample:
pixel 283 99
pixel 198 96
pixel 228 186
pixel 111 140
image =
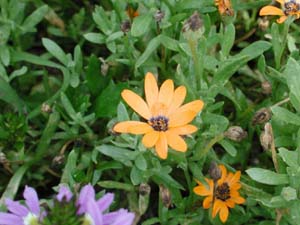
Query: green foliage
pixel 64 65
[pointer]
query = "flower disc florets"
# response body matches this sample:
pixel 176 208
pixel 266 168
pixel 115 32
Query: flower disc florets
pixel 159 123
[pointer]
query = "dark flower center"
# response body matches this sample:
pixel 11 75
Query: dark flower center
pixel 291 7
pixel 223 192
pixel 159 123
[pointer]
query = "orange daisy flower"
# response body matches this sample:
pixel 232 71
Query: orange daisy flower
pixel 224 7
pixel 288 7
pixel 222 196
pixel 166 119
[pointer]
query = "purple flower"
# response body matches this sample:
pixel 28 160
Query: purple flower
pixel 94 210
pixel 19 214
pixel 64 194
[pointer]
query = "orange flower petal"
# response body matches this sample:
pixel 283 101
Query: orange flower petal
pixel 175 141
pixel 150 139
pixel 136 103
pixel 161 146
pixel 238 199
pixel 271 11
pixel 141 128
pixel 202 190
pixel 181 118
pixel 195 106
pixel 281 19
pixel 207 202
pixel 230 203
pixel 123 127
pixel 178 98
pixel 218 204
pixel 166 91
pixel 151 89
pixel 234 179
pixel 224 212
pixel 223 173
pixel 183 130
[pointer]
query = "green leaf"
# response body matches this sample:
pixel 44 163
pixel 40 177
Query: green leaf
pixel 101 19
pixel 122 155
pixel 10 96
pixel 34 18
pixel 228 39
pixel 108 100
pixel 96 38
pixel 291 73
pixel 4 55
pixel 285 115
pixel 267 177
pixel 55 50
pixel 151 47
pixel 136 176
pixel 141 25
pixel 70 167
pixel 13 185
pixel 256 49
pixel 289 157
pixel 109 184
pixel 140 162
pixel 229 148
pixel 95 80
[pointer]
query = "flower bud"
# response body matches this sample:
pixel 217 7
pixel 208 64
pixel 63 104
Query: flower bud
pixel 261 116
pixel 263 23
pixel 46 108
pixel 214 171
pixel 144 189
pixel 125 26
pixel 266 137
pixel 235 133
pixel 159 15
pixel 266 87
pixel 194 23
pixel 165 196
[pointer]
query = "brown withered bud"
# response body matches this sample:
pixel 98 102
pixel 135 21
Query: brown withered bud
pixel 5 163
pixel 144 189
pixel 235 133
pixel 165 195
pixel 125 26
pixel 266 137
pixel 46 108
pixel 261 116
pixel 159 15
pixel 266 87
pixel 194 23
pixel 263 23
pixel 214 171
pixel 104 66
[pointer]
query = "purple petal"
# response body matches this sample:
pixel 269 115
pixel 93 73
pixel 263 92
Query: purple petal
pixel 109 218
pixel 104 202
pixel 86 193
pixel 94 212
pixel 16 208
pixel 64 194
pixel 10 219
pixel 124 218
pixel 32 200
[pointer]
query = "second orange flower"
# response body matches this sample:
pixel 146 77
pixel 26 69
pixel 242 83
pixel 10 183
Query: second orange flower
pixel 166 118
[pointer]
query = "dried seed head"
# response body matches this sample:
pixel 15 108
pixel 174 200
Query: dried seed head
pixel 159 15
pixel 194 23
pixel 266 137
pixel 125 26
pixel 214 171
pixel 144 189
pixel 104 66
pixel 266 87
pixel 263 23
pixel 261 116
pixel 235 133
pixel 58 160
pixel 165 195
pixel 46 108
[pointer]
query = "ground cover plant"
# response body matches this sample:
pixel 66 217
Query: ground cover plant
pixel 149 112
